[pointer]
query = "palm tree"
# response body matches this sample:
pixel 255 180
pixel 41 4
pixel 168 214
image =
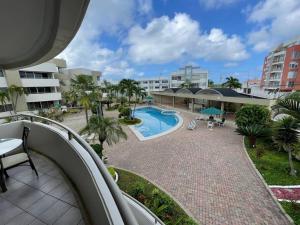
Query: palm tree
pixel 252 131
pixel 289 105
pixel 210 83
pixel 4 97
pixel 232 82
pixel 15 92
pixel 285 135
pixel 187 84
pixel 128 86
pixel 138 92
pixel 85 101
pixel 107 130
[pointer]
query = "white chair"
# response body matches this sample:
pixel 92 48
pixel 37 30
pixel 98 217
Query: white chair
pixel 210 124
pixel 192 125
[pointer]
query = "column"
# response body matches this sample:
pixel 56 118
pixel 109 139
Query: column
pixel 173 101
pixel 160 99
pixel 222 106
pixel 193 104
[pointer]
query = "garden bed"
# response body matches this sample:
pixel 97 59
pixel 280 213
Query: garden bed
pixel 130 122
pixel 273 165
pixel 153 198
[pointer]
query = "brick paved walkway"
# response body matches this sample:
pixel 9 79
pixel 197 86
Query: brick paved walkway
pixel 206 171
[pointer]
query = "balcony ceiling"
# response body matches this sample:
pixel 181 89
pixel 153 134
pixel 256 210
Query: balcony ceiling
pixel 34 31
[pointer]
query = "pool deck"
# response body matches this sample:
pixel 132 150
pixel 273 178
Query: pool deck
pixel 206 171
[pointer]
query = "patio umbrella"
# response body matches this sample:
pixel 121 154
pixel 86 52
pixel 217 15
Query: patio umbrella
pixel 212 111
pixel 149 98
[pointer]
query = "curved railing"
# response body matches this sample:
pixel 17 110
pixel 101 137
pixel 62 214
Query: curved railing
pixel 122 206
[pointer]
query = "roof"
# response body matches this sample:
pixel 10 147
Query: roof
pixel 172 90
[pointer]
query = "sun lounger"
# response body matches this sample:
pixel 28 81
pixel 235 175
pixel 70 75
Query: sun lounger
pixel 192 125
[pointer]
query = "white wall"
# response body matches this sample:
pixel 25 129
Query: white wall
pixel 44 67
pixel 3 82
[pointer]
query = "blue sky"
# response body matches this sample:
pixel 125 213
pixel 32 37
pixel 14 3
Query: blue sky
pixel 151 38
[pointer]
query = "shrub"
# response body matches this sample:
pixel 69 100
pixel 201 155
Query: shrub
pixel 125 112
pixel 130 121
pixel 137 191
pixel 252 114
pixel 98 149
pixel 112 172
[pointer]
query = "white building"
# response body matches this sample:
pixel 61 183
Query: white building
pixel 158 84
pixel 39 83
pixel 197 76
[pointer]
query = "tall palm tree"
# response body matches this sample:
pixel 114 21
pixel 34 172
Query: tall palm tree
pixel 210 83
pixel 15 92
pixel 289 105
pixel 107 130
pixel 4 98
pixel 138 92
pixel 128 86
pixel 232 82
pixel 187 84
pixel 285 135
pixel 85 101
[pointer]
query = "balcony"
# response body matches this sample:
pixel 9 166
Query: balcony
pixel 42 97
pixel 40 82
pixel 3 82
pixel 73 186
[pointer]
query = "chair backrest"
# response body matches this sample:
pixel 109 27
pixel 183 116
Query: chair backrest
pixel 26 131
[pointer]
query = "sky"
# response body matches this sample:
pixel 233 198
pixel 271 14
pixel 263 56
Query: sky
pixel 140 39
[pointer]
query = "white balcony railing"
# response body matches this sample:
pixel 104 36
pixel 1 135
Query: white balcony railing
pixel 56 96
pixel 40 82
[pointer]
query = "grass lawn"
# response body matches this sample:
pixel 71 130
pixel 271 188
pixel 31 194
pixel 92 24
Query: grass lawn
pixel 155 199
pixel 274 167
pixel 292 210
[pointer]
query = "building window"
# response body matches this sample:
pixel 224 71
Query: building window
pixel 156 87
pixel 293 65
pixel 1 73
pixel 145 82
pixel 157 81
pixel 40 105
pixel 291 84
pixel 34 75
pixel 6 108
pixel 40 90
pixel 164 81
pixel 292 74
pixel 164 87
pixel 296 55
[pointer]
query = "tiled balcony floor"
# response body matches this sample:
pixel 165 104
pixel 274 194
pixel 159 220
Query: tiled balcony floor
pixel 47 199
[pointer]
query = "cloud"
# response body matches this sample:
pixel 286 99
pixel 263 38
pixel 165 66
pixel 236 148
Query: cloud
pixel 230 64
pixel 216 4
pixel 109 17
pixel 276 21
pixel 166 39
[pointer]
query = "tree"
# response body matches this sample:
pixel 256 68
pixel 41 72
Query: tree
pixel 253 131
pixel 186 84
pixel 4 98
pixel 289 105
pixel 210 83
pixel 138 92
pixel 232 82
pixel 15 92
pixel 285 135
pixel 107 130
pixel 128 86
pixel 252 114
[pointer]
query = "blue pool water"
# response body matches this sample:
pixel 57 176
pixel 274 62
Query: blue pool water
pixel 154 122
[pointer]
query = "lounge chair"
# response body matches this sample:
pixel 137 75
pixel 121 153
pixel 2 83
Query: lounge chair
pixel 192 125
pixel 210 124
pixel 221 123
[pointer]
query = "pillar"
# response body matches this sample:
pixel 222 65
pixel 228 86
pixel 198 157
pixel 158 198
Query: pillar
pixel 160 99
pixel 173 101
pixel 193 104
pixel 222 106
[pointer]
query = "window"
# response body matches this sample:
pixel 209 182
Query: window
pixel 292 74
pixel 164 81
pixel 145 82
pixel 34 75
pixel 164 87
pixel 291 84
pixel 6 108
pixel 1 73
pixel 293 65
pixel 296 54
pixel 156 87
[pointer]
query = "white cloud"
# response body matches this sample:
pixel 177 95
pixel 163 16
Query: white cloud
pixel 230 64
pixel 277 21
pixel 164 40
pixel 111 17
pixel 216 4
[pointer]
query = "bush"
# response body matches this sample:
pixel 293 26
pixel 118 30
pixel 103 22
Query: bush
pixel 137 191
pixel 112 172
pixel 125 112
pixel 98 149
pixel 252 114
pixel 126 121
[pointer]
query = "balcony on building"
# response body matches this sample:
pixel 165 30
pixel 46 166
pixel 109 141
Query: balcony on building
pixel 38 79
pixel 73 186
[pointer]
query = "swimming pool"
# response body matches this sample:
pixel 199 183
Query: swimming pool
pixel 155 122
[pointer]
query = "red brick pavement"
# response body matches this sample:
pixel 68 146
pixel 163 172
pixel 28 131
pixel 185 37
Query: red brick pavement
pixel 208 172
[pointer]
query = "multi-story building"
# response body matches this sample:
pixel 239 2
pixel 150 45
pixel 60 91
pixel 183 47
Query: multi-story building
pixel 159 84
pixel 39 83
pixel 281 68
pixel 197 76
pixel 67 75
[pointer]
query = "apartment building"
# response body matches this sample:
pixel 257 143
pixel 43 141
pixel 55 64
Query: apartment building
pixel 197 76
pixel 281 68
pixel 66 75
pixel 39 83
pixel 158 84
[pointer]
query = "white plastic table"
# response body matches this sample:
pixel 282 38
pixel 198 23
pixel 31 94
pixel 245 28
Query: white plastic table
pixel 7 145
